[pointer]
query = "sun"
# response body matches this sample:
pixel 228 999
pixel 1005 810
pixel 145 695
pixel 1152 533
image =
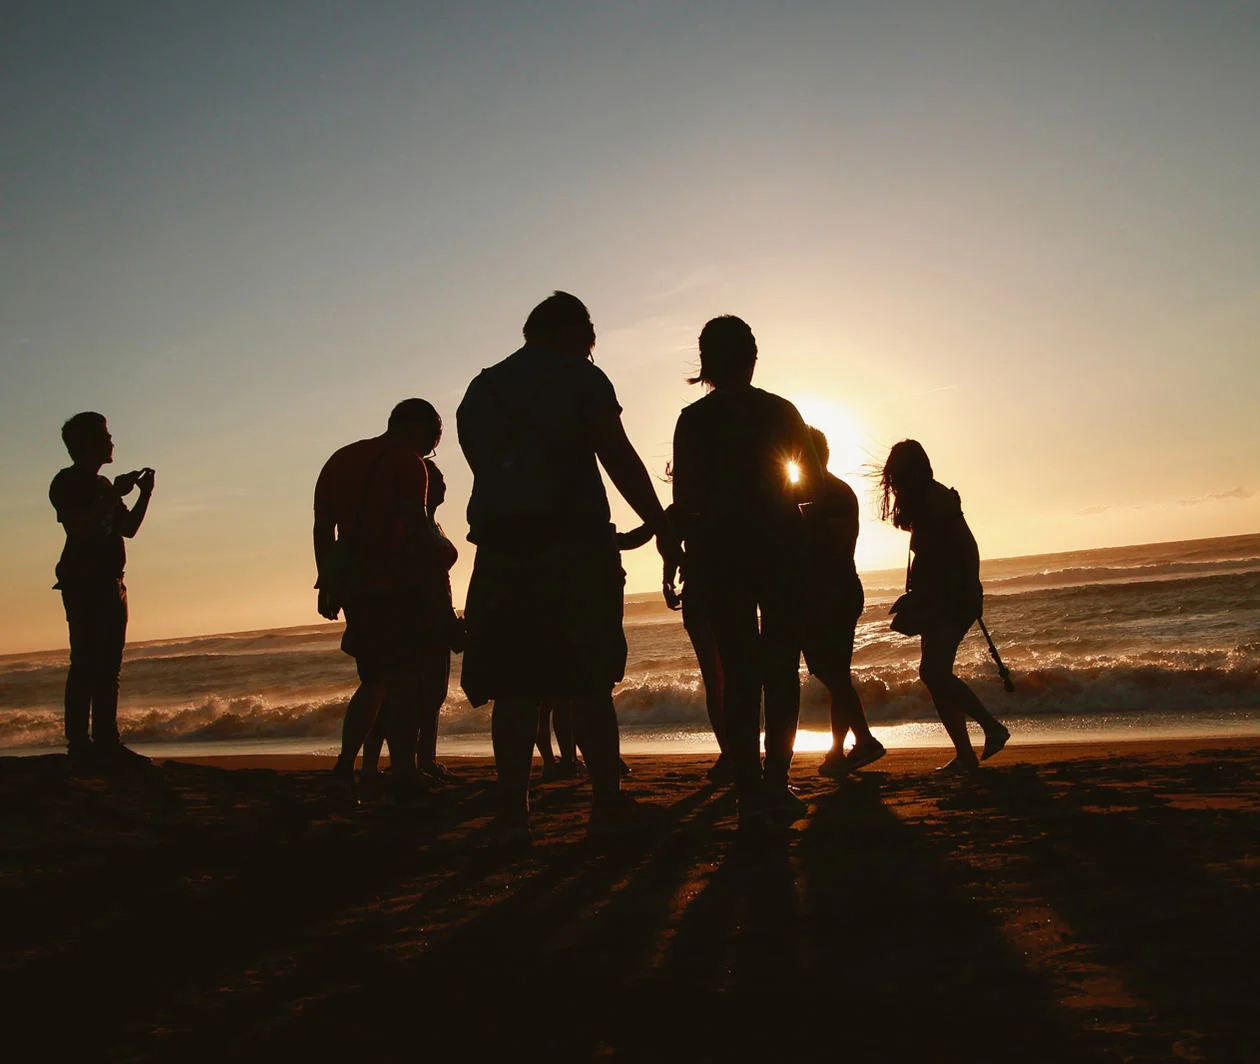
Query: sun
pixel 845 434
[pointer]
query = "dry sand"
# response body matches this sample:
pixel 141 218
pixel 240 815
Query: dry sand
pixel 1091 902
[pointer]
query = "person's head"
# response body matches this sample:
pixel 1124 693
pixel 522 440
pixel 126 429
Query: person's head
pixel 728 353
pixel 87 438
pixel 416 424
pixel 906 474
pixel 562 323
pixel 821 449
pixel 437 487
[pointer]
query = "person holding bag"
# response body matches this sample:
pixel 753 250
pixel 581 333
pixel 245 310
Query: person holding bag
pixel 943 597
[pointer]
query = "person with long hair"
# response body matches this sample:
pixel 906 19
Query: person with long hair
pixel 944 592
pixel 737 501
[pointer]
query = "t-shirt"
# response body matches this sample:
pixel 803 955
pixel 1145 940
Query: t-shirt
pixel 96 556
pixel 730 470
pixel 527 429
pixel 831 527
pixel 368 489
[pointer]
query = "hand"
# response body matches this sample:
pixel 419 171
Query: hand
pixel 670 547
pixel 669 589
pixel 145 480
pixel 125 482
pixel 326 605
pixel 457 635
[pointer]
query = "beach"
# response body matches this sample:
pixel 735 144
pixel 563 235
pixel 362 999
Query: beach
pixel 1092 901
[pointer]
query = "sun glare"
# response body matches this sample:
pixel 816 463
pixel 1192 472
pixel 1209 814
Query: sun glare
pixel 845 434
pixel 793 473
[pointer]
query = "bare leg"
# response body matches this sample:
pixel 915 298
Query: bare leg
pixel 361 713
pixel 846 710
pixel 595 728
pixel 704 643
pixel 435 676
pixel 562 715
pixel 514 729
pixel 939 647
pixel 372 745
pixel 780 657
pixel 400 719
pixel 543 738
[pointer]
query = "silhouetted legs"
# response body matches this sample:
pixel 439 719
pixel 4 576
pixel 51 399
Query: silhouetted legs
pixel 738 635
pixel 754 611
pixel 435 681
pixel 780 667
pixel 514 731
pixel 954 700
pixel 563 723
pixel 846 708
pixel 542 739
pixel 557 714
pixel 704 642
pixel 97 619
pixel 394 693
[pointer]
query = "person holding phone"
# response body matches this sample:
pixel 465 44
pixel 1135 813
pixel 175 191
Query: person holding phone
pixel 96 520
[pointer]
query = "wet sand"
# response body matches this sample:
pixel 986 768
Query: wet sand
pixel 1069 903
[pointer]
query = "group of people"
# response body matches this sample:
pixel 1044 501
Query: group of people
pixel 760 534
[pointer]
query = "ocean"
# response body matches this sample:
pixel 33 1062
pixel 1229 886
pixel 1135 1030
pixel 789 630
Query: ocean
pixel 1146 641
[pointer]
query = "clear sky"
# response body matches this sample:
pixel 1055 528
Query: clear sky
pixel 1026 234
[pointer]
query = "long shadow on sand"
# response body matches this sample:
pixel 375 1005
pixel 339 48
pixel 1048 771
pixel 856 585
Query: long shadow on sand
pixel 1165 895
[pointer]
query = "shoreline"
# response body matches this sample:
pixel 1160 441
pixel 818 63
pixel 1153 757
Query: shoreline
pixel 1091 902
pixel 804 763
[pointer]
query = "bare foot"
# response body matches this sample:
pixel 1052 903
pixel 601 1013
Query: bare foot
pixel 994 741
pixel 960 766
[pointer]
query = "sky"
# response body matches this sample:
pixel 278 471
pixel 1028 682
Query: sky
pixel 1026 234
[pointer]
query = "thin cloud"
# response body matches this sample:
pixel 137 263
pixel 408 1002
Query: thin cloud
pixel 1217 496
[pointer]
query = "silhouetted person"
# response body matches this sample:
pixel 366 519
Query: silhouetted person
pixel 434 655
pixel 739 512
pixel 833 605
pixel 377 561
pixel 944 592
pixel 90 577
pixel 544 607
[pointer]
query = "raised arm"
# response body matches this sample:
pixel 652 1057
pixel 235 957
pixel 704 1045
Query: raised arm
pixel 129 520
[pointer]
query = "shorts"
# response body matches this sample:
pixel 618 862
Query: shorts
pixel 544 620
pixel 385 631
pixel 829 627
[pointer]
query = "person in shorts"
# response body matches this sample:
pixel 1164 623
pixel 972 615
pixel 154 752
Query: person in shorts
pixel 377 562
pixel 544 606
pixel 833 604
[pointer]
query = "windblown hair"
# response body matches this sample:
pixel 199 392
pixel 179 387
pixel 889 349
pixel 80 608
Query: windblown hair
pixel 416 414
pixel 80 430
pixel 906 469
pixel 728 352
pixel 559 315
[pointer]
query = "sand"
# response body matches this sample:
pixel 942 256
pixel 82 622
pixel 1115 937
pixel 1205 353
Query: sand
pixel 1091 902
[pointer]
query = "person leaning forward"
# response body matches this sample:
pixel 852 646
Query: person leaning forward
pixel 375 557
pixel 544 605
